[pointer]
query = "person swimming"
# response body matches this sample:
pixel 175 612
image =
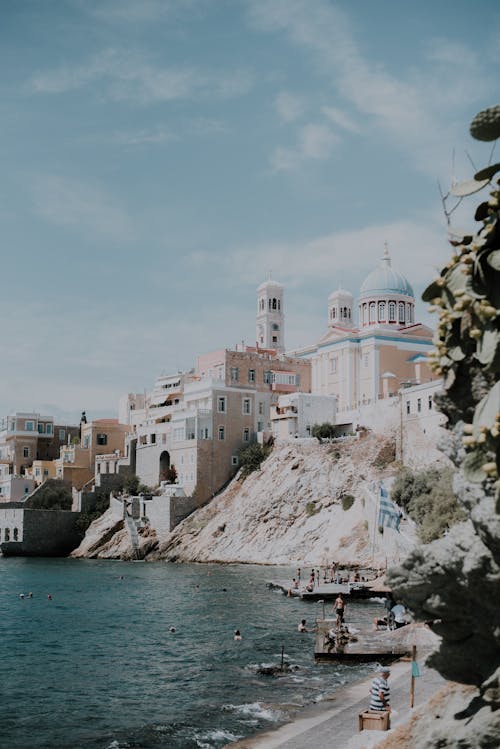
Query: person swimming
pixel 237 634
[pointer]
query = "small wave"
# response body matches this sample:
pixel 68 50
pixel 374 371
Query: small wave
pixel 255 710
pixel 209 739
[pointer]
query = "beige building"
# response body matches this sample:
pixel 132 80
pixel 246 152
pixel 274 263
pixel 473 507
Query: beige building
pixel 76 463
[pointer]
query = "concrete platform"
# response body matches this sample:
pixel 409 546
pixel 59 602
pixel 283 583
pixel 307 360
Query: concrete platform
pixel 368 646
pixel 330 591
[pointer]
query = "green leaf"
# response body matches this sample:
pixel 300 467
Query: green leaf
pixel 487 410
pixel 456 353
pixel 493 259
pixel 431 292
pixel 472 466
pixel 488 349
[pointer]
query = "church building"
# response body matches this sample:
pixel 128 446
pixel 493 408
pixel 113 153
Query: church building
pixel 364 362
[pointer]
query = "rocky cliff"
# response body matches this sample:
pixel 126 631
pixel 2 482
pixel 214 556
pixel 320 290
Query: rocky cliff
pixel 308 504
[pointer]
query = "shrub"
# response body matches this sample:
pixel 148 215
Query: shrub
pixel 311 508
pixel 251 457
pixel 386 454
pixel 323 431
pixel 52 497
pixel 86 518
pixel 428 498
pixel 347 501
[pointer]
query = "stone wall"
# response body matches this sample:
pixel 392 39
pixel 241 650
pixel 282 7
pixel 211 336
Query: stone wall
pixel 42 533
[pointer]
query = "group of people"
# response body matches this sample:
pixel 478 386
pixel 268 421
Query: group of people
pixel 395 616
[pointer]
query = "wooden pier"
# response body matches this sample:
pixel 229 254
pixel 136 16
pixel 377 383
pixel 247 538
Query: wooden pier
pixel 330 591
pixel 367 646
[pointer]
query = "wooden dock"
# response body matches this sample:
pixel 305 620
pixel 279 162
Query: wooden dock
pixel 367 646
pixel 330 591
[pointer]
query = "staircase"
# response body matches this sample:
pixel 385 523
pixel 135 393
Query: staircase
pixel 134 536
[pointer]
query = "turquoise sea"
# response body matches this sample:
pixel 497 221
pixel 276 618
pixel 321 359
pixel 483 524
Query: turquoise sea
pixel 97 666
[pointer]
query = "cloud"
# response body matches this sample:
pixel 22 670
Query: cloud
pixel 342 119
pixel 288 106
pixel 150 136
pixel 130 76
pixel 68 202
pixel 417 248
pixel 315 141
pixel 409 108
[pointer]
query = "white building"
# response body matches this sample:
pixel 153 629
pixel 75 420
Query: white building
pixel 297 413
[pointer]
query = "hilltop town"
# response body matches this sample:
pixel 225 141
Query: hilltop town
pixel 173 449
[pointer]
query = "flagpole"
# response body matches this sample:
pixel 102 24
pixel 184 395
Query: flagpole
pixel 375 524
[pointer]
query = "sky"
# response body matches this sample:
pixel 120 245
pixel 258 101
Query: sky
pixel 160 158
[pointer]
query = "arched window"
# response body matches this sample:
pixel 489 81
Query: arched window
pixel 365 320
pixel 401 313
pixel 279 304
pixel 270 303
pixel 408 313
pixel 7 534
pixel 274 303
pixel 15 534
pixel 345 313
pixel 372 311
pixel 381 311
pixel 392 311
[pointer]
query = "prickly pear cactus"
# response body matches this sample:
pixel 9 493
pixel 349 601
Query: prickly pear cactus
pixel 467 354
pixel 455 580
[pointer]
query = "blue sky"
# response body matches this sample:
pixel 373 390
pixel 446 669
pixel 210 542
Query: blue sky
pixel 160 157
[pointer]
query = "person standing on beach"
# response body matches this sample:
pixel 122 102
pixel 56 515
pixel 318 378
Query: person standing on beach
pixel 380 693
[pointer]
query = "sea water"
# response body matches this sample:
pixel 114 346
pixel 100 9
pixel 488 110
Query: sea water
pixel 96 665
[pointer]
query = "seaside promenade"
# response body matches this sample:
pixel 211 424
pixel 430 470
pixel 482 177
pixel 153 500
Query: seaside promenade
pixel 334 724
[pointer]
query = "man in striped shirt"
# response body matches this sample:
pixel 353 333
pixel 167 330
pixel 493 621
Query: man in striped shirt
pixel 380 693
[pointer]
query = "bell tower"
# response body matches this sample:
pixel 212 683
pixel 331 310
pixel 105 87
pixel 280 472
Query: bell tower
pixel 270 330
pixel 340 307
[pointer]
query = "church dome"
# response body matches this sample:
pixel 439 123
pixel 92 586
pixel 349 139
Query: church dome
pixel 385 280
pixel 339 292
pixel 270 284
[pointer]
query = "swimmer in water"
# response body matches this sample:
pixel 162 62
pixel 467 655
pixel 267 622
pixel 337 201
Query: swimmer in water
pixel 49 597
pixel 237 634
pixel 172 629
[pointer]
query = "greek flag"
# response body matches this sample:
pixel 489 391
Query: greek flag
pixel 388 515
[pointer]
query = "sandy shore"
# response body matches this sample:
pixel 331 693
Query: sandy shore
pixel 334 723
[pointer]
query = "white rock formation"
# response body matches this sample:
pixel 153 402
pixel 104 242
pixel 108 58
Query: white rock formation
pixel 291 511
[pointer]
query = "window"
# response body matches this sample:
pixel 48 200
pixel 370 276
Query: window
pixel 267 378
pixel 62 435
pixel 333 365
pixel 246 434
pixel 408 313
pixel 86 440
pixel 234 460
pixel 45 471
pixel 222 433
pixel 275 304
pixel 251 375
pixel 261 408
pixel 246 406
pixel 101 439
pixel 275 339
pixel 275 326
pixel 26 452
pixel 153 439
pixel 16 534
pixel 365 312
pixel 408 409
pixel 401 307
pixel 37 471
pixel 221 404
pixel 392 311
pixel 372 311
pixel 430 401
pixel 270 304
pixel 30 426
pixel 381 311
pixel 49 429
pixel 260 426
pixel 41 428
pixel 234 374
pixel 419 405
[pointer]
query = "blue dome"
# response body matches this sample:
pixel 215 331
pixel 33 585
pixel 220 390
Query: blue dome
pixel 385 279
